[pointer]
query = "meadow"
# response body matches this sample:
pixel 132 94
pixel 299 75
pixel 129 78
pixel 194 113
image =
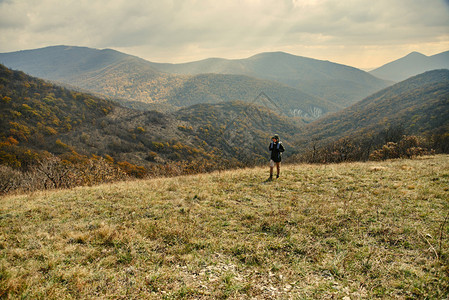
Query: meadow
pixel 338 231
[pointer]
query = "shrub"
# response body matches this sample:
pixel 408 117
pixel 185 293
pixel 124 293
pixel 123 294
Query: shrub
pixel 97 170
pixel 9 179
pixel 132 170
pixel 407 147
pixel 55 172
pixel 388 151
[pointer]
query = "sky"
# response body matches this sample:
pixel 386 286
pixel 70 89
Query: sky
pixel 360 33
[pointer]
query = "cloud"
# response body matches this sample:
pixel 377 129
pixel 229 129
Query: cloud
pixel 173 30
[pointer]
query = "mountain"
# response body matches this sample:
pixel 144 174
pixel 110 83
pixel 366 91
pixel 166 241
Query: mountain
pixel 410 65
pixel 116 75
pixel 215 88
pixel 238 129
pixel 340 84
pixel 66 63
pixel 33 110
pixel 38 118
pixel 130 80
pixel 418 105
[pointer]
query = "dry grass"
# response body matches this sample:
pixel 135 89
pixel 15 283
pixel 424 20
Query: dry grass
pixel 357 230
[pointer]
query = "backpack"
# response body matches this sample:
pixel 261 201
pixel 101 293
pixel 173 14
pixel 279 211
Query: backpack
pixel 278 145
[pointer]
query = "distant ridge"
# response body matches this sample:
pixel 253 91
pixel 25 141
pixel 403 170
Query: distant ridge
pixel 123 76
pixel 68 62
pixel 341 84
pixel 410 65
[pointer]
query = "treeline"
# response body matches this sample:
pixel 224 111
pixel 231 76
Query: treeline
pixel 390 143
pixel 48 171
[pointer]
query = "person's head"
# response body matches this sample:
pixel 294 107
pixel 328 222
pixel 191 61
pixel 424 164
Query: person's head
pixel 275 138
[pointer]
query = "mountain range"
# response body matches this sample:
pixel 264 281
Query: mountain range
pixel 212 119
pixel 294 82
pixel 300 86
pixel 410 65
pixel 341 84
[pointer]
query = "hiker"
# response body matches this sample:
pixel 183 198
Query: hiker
pixel 276 149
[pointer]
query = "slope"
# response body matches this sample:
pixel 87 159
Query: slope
pixel 38 116
pixel 130 80
pixel 213 135
pixel 33 111
pixel 410 65
pixel 341 84
pixel 66 63
pixel 214 88
pixel 104 72
pixel 353 230
pixel 238 129
pixel 419 105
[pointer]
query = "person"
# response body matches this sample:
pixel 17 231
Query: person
pixel 276 149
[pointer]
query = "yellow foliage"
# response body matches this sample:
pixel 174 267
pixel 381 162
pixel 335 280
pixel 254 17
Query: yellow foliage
pixel 11 141
pixel 61 144
pixel 51 130
pixel 109 158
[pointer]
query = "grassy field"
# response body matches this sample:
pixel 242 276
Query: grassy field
pixel 347 231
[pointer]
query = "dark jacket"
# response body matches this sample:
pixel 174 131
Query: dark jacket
pixel 276 150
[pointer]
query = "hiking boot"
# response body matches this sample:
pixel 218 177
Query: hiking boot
pixel 270 178
pixel 277 176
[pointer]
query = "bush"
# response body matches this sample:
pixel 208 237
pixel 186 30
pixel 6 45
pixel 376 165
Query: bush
pixel 9 179
pixel 98 170
pixel 132 170
pixel 53 172
pixel 407 147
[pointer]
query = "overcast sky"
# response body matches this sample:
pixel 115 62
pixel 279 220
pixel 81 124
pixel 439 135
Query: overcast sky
pixel 359 33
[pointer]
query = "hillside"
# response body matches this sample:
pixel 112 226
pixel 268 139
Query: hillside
pixel 410 65
pixel 419 105
pixel 340 84
pixel 347 231
pixel 237 129
pixel 197 135
pixel 104 72
pixel 121 76
pixel 66 63
pixel 215 88
pixel 38 118
pixel 33 111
